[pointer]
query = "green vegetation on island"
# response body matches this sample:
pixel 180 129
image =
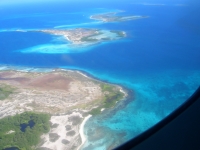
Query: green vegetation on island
pixel 119 33
pixel 111 96
pixel 12 136
pixel 5 91
pixel 89 39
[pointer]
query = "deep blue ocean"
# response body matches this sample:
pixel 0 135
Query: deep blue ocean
pixel 158 62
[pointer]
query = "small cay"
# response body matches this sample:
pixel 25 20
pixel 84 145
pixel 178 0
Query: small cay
pixel 112 17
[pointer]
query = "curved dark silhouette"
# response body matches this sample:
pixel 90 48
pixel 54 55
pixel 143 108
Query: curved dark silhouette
pixel 178 131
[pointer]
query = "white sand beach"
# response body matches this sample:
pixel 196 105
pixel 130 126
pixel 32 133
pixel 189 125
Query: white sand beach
pixel 81 131
pixel 65 132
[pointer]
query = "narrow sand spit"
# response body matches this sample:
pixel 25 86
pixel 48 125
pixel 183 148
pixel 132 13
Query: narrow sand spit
pixel 64 134
pixel 81 131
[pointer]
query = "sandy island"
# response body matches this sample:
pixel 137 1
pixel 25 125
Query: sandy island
pixel 112 17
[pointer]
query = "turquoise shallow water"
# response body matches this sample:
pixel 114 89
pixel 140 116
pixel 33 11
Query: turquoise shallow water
pixel 153 97
pixel 158 62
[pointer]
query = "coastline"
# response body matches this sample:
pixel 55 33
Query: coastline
pixel 62 118
pixel 123 89
pixel 81 131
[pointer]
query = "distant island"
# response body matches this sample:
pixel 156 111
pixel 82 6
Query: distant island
pixel 48 110
pixel 74 40
pixel 112 17
pixel 80 36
